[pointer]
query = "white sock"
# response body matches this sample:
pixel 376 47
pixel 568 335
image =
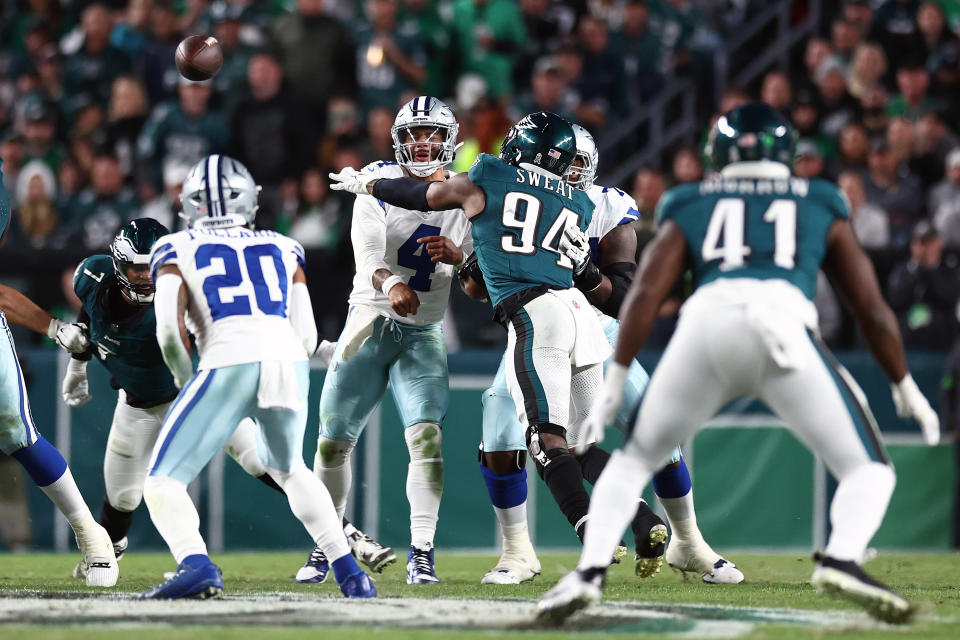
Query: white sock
pixel 512 517
pixel 174 516
pixel 65 494
pixel 682 517
pixel 619 484
pixel 424 488
pixel 348 529
pixel 242 447
pixel 311 504
pixel 337 479
pixel 858 508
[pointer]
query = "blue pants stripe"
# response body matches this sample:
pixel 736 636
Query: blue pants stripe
pixel 183 414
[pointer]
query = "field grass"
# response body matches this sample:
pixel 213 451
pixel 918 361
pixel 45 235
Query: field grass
pixel 773 581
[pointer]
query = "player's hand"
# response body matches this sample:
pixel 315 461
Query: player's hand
pixel 441 249
pixel 69 336
pixel 403 299
pixel 911 403
pixel 75 390
pixel 324 352
pixel 575 245
pixel 605 407
pixel 354 181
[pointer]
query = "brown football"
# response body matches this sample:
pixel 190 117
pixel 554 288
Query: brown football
pixel 199 57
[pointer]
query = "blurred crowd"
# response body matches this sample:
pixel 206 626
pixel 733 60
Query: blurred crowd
pixel 97 126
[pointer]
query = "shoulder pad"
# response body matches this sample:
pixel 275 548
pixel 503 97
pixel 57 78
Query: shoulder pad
pixel 387 168
pixel 831 197
pixel 90 273
pixel 673 199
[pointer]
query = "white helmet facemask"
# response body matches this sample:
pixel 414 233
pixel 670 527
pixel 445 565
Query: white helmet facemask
pixel 425 112
pixel 582 177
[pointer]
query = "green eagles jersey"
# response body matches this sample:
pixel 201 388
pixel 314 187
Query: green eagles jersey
pixel 755 227
pixel 127 348
pixel 517 237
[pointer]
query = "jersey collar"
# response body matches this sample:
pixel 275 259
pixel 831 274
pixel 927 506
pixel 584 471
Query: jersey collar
pixel 756 169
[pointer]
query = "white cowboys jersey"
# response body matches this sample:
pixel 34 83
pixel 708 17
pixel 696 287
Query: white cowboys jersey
pixel 385 237
pixel 239 282
pixel 613 207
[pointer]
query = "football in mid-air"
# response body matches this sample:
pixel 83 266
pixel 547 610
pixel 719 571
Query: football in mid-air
pixel 199 57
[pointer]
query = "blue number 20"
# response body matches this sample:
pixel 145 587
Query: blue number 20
pixel 408 257
pixel 231 277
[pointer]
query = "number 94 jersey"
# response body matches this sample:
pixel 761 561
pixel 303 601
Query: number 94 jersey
pixel 385 237
pixel 755 227
pixel 239 282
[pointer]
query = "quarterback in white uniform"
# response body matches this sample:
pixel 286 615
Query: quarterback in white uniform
pixel 405 261
pixel 242 293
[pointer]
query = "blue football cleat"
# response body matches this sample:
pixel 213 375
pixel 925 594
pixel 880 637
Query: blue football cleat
pixel 316 568
pixel 196 577
pixel 420 567
pixel 358 585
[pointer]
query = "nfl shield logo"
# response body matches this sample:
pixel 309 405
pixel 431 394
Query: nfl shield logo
pixel 553 153
pixel 576 305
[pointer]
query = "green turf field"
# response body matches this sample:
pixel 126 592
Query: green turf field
pixel 775 603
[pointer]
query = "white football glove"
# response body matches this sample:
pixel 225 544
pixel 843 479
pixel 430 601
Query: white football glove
pixel 911 403
pixel 575 245
pixel 70 336
pixel 605 407
pixel 324 352
pixel 355 181
pixel 75 390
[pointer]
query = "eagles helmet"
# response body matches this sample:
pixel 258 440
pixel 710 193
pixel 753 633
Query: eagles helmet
pixel 541 142
pixel 582 177
pixel 426 112
pixel 130 250
pixel 751 133
pixel 219 192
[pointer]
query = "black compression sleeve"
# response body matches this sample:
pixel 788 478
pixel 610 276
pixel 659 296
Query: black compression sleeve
pixel 408 193
pixel 621 275
pixel 83 318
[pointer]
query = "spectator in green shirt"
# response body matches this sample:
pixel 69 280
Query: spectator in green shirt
pixel 488 34
pixel 94 66
pixel 390 59
pixel 913 81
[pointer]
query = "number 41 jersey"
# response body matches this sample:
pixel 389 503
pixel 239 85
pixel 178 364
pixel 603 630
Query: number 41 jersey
pixel 239 282
pixel 755 227
pixel 385 237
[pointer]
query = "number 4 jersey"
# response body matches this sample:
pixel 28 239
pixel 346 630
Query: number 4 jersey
pixel 385 237
pixel 239 282
pixel 753 227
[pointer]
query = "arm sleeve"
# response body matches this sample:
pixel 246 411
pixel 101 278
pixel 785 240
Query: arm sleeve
pixel 368 232
pixel 83 318
pixel 165 303
pixel 301 317
pixel 620 275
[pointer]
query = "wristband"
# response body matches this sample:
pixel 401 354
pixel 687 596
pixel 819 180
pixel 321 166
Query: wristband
pixel 589 279
pixel 616 375
pixel 53 327
pixel 389 284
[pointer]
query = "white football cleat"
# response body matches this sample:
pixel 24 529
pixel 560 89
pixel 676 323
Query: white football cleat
pixel 518 562
pixel 99 563
pixel 575 591
pixel 370 552
pixel 698 557
pixel 847 579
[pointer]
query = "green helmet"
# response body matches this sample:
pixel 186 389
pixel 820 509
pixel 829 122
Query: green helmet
pixel 543 140
pixel 749 133
pixel 131 252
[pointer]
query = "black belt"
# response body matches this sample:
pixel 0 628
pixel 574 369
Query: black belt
pixel 508 307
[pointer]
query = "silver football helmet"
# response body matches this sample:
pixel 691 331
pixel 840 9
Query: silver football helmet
pixel 426 112
pixel 219 192
pixel 583 177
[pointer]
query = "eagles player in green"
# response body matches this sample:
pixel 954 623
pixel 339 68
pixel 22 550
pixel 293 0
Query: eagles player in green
pixel 519 206
pixel 754 238
pixel 117 296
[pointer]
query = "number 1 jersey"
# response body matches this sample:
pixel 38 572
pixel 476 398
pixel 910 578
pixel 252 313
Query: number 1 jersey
pixel 239 282
pixel 385 237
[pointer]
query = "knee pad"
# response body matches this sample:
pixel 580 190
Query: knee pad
pixel 538 452
pixel 125 498
pixel 332 453
pixel 423 441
